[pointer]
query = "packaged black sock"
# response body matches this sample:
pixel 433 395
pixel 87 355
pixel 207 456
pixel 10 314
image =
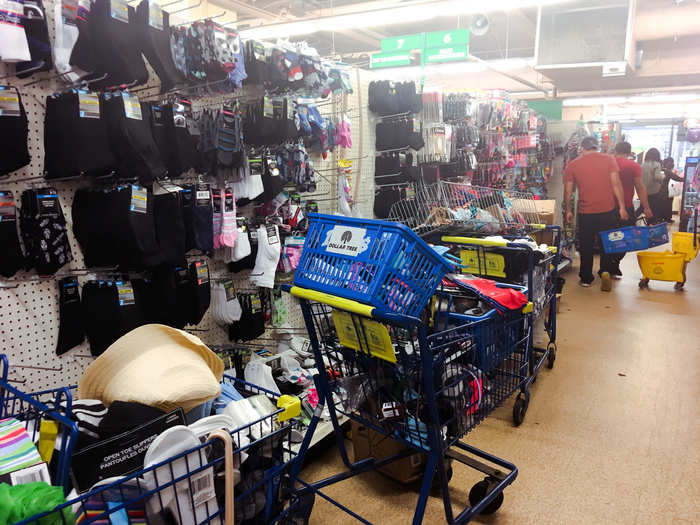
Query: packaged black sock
pixel 11 260
pixel 70 331
pixel 184 293
pixel 199 271
pixel 170 227
pixel 13 131
pixel 100 303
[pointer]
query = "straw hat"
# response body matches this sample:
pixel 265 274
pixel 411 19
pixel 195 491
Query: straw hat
pixel 155 365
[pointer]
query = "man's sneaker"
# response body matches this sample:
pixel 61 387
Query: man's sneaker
pixel 584 284
pixel 605 281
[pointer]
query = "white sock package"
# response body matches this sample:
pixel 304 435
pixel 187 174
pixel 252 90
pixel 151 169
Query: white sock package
pixel 268 257
pixel 13 39
pixel 225 309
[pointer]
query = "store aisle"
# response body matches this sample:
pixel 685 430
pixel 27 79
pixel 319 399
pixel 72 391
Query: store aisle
pixel 612 432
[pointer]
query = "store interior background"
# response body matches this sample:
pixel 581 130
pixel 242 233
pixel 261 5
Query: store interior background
pixel 631 64
pixel 606 415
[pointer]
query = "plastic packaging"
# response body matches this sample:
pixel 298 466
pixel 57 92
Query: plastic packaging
pixel 19 502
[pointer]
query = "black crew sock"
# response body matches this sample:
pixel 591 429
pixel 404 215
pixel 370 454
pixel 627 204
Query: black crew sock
pixel 11 260
pixel 70 331
pixel 100 314
pixel 14 130
pixel 202 291
pixel 170 227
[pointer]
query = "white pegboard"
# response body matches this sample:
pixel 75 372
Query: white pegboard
pixel 29 310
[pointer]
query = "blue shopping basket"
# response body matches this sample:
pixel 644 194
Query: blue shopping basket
pixel 634 238
pixel 380 263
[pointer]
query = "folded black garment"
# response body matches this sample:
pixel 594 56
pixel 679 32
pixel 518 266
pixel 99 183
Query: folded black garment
pixel 76 141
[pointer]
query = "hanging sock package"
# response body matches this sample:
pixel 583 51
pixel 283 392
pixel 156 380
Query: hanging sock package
pixel 44 231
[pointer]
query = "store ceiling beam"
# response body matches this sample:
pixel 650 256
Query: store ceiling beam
pixel 511 76
pixel 667 22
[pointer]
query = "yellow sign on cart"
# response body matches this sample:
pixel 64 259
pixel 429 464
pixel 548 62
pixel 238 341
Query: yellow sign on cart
pixel 360 333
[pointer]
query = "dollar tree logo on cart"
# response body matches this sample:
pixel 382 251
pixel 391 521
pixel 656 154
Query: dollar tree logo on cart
pixel 346 240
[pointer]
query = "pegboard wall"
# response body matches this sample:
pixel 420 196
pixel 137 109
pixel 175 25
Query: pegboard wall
pixel 29 316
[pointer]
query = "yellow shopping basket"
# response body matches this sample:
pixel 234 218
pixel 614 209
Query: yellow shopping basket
pixel 683 243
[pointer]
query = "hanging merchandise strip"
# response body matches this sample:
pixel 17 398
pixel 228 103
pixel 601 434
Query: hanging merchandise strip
pixel 29 329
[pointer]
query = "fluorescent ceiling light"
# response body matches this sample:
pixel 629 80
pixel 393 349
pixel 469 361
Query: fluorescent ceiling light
pixel 637 99
pixel 593 101
pixel 459 68
pixel 419 12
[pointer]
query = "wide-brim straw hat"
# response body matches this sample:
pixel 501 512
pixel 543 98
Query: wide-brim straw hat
pixel 156 365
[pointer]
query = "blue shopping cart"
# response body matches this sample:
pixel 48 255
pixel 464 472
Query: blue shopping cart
pixel 423 379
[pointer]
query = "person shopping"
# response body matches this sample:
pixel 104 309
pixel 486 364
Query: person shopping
pixel 653 178
pixel 600 195
pixel 666 206
pixel 631 180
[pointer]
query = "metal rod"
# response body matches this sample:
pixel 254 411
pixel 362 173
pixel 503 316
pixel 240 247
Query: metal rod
pixel 186 8
pixel 30 70
pixel 223 13
pixel 49 369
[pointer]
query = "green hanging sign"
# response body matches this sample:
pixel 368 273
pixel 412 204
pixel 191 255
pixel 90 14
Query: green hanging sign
pixel 403 43
pixel 457 38
pixel 436 47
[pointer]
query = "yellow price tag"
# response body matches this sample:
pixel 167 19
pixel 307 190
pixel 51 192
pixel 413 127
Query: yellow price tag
pixel 360 333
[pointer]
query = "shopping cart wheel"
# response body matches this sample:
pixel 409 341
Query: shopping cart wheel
pixel 644 283
pixel 520 408
pixel 479 491
pixel 551 354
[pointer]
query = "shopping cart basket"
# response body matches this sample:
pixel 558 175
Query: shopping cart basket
pixel 370 261
pixel 540 277
pixel 31 409
pixel 195 486
pixel 425 390
pixel 634 238
pixel 447 205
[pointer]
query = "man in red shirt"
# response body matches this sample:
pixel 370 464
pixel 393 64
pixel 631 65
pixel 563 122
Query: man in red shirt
pixel 631 179
pixel 600 198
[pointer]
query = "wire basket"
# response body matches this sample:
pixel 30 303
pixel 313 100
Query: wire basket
pixel 189 487
pixel 31 409
pixel 469 368
pixel 473 209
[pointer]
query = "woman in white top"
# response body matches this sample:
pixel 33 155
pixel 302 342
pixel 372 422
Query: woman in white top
pixel 653 178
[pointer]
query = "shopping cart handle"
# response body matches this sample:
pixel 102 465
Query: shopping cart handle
pixel 332 300
pixel 475 240
pixel 291 405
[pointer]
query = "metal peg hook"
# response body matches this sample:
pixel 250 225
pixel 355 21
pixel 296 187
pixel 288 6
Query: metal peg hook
pixel 30 70
pixel 31 367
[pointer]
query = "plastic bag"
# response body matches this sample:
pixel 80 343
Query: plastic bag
pixel 675 188
pixel 20 502
pixel 260 374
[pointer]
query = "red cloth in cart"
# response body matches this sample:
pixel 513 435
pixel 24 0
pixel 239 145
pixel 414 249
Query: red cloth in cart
pixel 501 298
